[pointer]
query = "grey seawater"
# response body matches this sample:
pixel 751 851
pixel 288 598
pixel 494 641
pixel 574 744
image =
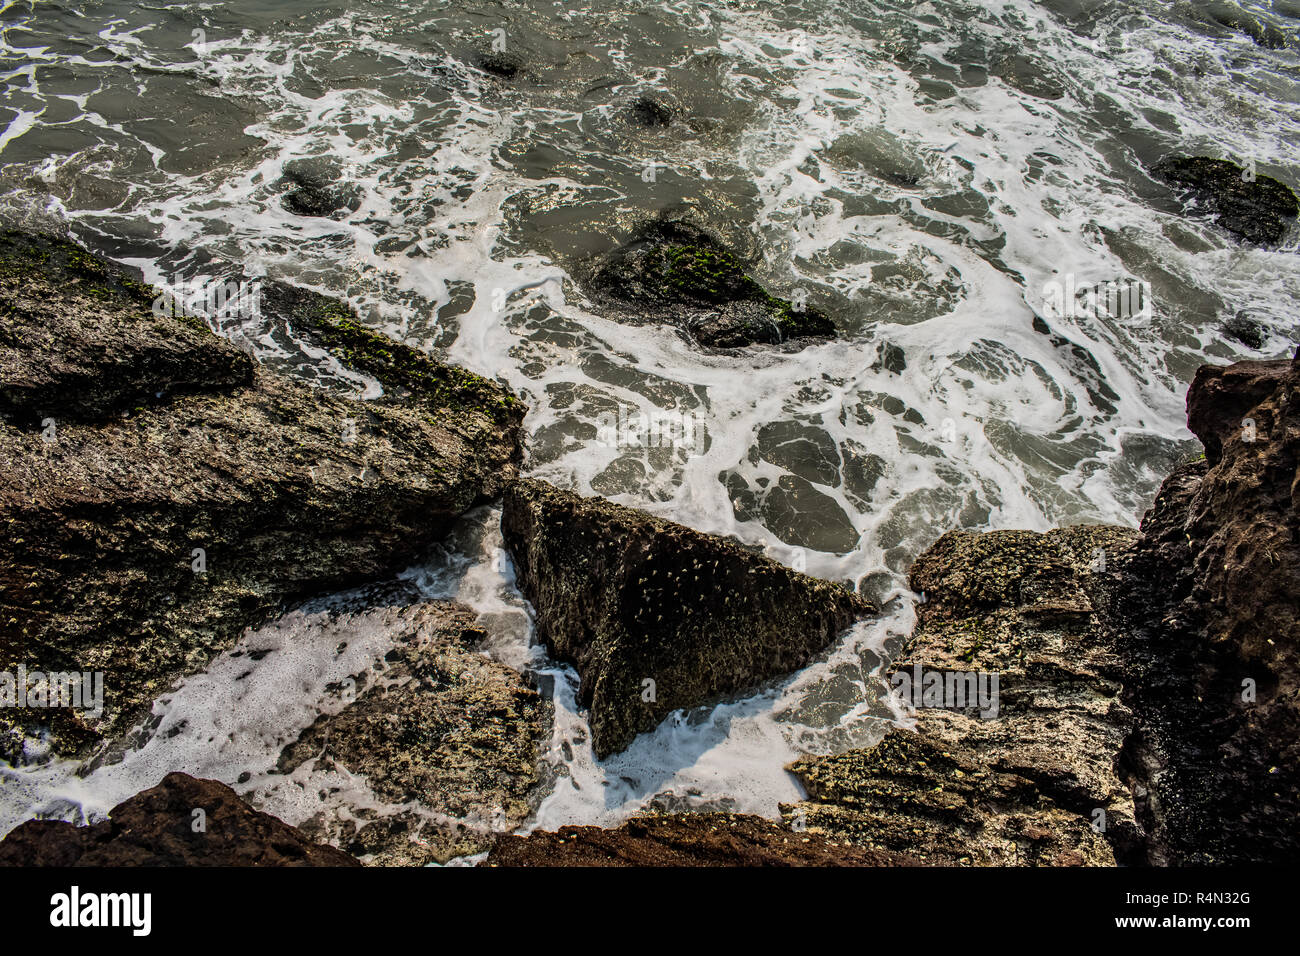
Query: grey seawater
pixel 922 172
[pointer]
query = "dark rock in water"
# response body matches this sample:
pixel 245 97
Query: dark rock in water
pixel 655 616
pixel 142 544
pixel 1260 211
pixel 1212 595
pixel 505 65
pixel 689 839
pixel 157 827
pixel 315 189
pixel 1025 780
pixel 648 111
pixel 1242 329
pixel 445 733
pixel 892 359
pixel 674 272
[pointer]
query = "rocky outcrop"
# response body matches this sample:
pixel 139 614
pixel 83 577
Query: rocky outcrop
pixel 161 493
pixel 1021 772
pixel 1255 208
pixel 655 616
pixel 676 273
pixel 689 839
pixel 181 822
pixel 1149 683
pixel 1211 596
pixel 449 739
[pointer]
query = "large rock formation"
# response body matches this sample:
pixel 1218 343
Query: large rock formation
pixel 161 493
pixel 181 822
pixel 656 616
pixel 1210 597
pixel 688 839
pixel 447 737
pixel 1149 683
pixel 676 273
pixel 1028 774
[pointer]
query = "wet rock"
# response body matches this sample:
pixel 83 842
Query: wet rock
pixel 447 737
pixel 160 827
pixel 1241 328
pixel 142 544
pixel 1221 398
pixel 675 272
pixel 650 111
pixel 690 839
pixel 1212 594
pixel 655 616
pixel 1258 211
pixel 1032 780
pixel 95 348
pixel 314 189
pixel 498 63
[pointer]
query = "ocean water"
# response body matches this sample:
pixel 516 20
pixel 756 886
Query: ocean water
pixel 924 173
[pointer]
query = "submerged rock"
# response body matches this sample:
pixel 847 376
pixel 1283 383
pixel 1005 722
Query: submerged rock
pixel 1024 775
pixel 1211 595
pixel 1241 328
pixel 505 65
pixel 163 826
pixel 1260 210
pixel 689 839
pixel 158 499
pixel 656 616
pixel 315 190
pixel 649 111
pixel 675 273
pixel 449 738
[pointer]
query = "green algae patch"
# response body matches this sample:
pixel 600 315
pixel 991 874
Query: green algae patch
pixel 676 273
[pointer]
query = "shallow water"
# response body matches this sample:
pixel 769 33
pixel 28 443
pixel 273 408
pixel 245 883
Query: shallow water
pixel 920 172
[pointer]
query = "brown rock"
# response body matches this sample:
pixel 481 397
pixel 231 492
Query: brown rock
pixel 157 827
pixel 1211 597
pixel 689 839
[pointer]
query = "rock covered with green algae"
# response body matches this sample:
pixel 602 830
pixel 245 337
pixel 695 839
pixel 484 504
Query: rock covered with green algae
pixel 656 616
pixel 675 272
pixel 1024 787
pixel 161 492
pixel 86 345
pixel 447 738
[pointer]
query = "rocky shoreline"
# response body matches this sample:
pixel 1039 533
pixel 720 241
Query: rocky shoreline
pixel 1133 695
